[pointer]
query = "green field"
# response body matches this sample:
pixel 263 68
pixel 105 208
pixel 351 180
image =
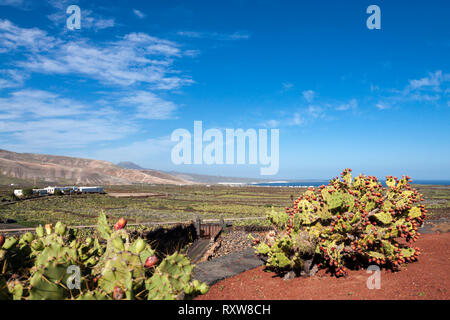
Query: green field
pixel 172 203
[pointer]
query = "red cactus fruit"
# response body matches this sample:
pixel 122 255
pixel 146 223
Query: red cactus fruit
pixel 151 262
pixel 120 224
pixel 118 293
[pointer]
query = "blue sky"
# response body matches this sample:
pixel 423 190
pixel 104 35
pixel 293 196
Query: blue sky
pixel 341 95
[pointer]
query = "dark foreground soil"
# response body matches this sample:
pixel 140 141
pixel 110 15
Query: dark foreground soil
pixel 428 278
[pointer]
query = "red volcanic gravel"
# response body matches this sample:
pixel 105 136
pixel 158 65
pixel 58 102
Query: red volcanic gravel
pixel 427 278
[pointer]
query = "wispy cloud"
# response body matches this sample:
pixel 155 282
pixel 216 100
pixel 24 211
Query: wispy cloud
pixel 32 119
pixel 135 58
pixel 270 123
pixel 287 86
pixel 382 106
pixel 311 112
pixel 136 66
pixel 428 90
pixel 11 78
pixel 37 103
pixel 148 105
pixel 89 20
pixel 309 95
pixel 352 104
pixel 297 120
pixel 30 39
pixel 61 4
pixel 139 14
pixel 433 81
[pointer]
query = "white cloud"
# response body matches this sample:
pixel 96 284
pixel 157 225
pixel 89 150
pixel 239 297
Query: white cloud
pixel 11 78
pixel 270 123
pixel 430 89
pixel 89 19
pixel 135 59
pixel 382 106
pixel 61 133
pixel 38 103
pixel 309 95
pixel 61 4
pixel 34 119
pixel 315 111
pixel 14 38
pixel 297 120
pixel 310 113
pixel 433 80
pixel 139 14
pixel 148 105
pixel 287 86
pixel 352 104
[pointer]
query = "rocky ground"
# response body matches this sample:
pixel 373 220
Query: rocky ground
pixel 235 240
pixel 426 279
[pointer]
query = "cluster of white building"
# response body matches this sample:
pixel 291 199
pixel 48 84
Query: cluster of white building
pixel 65 190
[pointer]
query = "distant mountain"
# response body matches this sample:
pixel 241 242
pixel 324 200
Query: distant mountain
pixel 69 170
pixel 203 178
pixel 129 165
pixel 193 177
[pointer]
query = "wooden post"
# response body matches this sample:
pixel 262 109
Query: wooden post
pixel 197 225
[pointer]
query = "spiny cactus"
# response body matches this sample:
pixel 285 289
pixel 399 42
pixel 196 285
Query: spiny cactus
pixel 111 267
pixel 172 278
pixel 122 265
pixel 49 274
pixel 349 223
pixel 15 288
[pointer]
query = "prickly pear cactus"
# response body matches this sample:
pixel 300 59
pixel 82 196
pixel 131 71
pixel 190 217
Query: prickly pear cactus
pixel 350 223
pixel 111 266
pixel 172 278
pixel 49 275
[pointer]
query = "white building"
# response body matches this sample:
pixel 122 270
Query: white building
pixel 90 189
pixel 40 192
pixel 71 189
pixel 51 190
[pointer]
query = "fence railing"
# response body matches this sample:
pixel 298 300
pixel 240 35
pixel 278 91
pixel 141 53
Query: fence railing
pixel 150 223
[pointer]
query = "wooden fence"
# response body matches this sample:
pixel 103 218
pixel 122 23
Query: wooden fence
pixel 197 222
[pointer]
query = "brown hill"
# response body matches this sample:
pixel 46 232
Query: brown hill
pixel 70 170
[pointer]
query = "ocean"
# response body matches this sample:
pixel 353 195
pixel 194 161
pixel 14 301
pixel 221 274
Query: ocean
pixel 317 183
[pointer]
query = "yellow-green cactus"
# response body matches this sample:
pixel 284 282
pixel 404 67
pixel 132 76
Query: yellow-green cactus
pixel 350 223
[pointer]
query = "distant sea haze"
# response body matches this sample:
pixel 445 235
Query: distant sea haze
pixel 317 183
